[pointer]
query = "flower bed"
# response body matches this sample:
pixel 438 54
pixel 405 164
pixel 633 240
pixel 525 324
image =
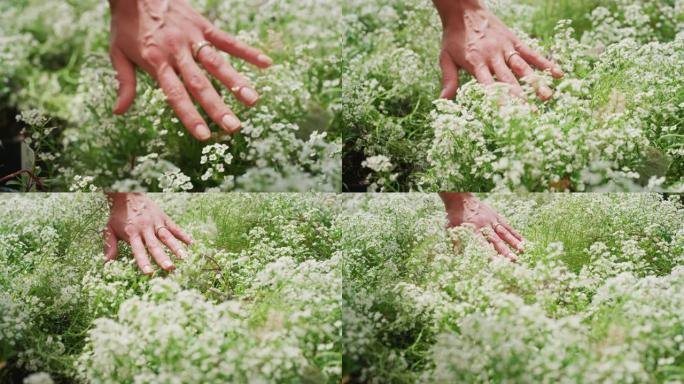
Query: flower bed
pixel 616 122
pixel 257 300
pixel 597 297
pixel 56 76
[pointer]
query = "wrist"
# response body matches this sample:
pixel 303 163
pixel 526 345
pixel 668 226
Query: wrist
pixel 452 11
pixel 455 201
pixel 116 5
pixel 118 198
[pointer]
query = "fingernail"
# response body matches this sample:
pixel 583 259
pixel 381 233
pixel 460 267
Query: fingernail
pixel 182 254
pixel 249 95
pixel 168 265
pixel 545 92
pixel 559 72
pixel 202 131
pixel 231 122
pixel 147 269
pixel 264 59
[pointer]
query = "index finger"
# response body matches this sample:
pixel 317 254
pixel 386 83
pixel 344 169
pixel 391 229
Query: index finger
pixel 233 46
pixel 508 237
pixel 500 247
pixel 511 230
pixel 539 61
pixel 177 231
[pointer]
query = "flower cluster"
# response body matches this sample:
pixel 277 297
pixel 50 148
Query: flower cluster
pixel 257 300
pixel 596 297
pixel 614 122
pixel 288 142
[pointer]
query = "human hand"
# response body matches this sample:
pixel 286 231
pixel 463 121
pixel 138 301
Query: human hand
pixel 161 37
pixel 464 209
pixel 137 220
pixel 476 40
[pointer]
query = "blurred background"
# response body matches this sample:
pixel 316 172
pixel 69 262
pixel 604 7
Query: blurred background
pixel 11 148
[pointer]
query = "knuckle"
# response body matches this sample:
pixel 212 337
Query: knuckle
pixel 479 67
pixel 152 55
pixel 175 37
pixel 196 81
pixel 164 235
pixel 517 66
pixel 175 93
pixel 518 45
pixel 213 60
pixel 508 78
pixel 209 30
pixel 230 40
pixel 130 230
pixel 473 58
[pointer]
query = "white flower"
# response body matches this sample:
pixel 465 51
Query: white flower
pixel 378 163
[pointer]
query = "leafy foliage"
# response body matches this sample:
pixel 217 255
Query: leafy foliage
pixel 615 123
pixel 253 302
pixel 596 297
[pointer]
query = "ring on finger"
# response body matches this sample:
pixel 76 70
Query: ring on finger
pixel 197 47
pixel 159 228
pixel 497 225
pixel 510 55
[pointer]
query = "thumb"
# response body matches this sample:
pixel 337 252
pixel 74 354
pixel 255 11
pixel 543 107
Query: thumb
pixel 125 73
pixel 111 247
pixel 449 76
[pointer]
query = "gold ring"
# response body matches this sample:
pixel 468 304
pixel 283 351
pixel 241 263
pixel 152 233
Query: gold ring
pixel 510 55
pixel 197 47
pixel 158 228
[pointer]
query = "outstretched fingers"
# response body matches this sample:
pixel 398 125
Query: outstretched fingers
pixel 504 75
pixel 500 246
pixel 512 231
pixel 203 91
pixel 508 237
pixel 226 74
pixel 171 242
pixel 525 72
pixel 488 236
pixel 483 74
pixel 140 255
pixel 177 231
pixel 234 47
pixel 533 57
pixel 181 103
pixel 157 252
